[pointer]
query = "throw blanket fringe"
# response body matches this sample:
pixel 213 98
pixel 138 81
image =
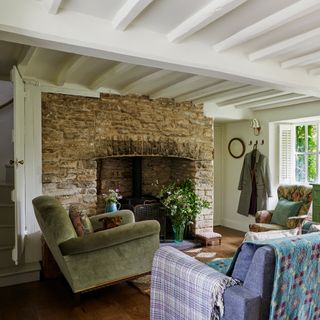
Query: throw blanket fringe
pixel 182 288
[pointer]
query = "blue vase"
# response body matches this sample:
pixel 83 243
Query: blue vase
pixel 113 206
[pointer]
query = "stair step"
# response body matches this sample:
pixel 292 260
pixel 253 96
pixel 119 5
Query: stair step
pixel 5 193
pixel 6 213
pixel 19 274
pixel 6 257
pixel 6 235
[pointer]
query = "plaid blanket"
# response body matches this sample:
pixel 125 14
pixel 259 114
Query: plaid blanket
pixel 182 288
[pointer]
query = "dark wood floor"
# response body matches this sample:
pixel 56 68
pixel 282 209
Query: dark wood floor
pixel 53 300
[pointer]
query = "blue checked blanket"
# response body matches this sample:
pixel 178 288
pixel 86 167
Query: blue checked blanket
pixel 183 288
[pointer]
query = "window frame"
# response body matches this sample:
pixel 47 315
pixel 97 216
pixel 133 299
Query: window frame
pixel 306 153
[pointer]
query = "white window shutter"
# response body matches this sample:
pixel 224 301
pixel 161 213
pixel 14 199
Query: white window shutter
pixel 286 170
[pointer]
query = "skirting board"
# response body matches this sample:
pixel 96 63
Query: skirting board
pixel 236 225
pixel 20 274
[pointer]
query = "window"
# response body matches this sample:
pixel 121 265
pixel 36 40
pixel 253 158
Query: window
pixel 299 153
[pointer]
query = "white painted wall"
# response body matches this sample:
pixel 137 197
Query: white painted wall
pixel 6 145
pixel 231 167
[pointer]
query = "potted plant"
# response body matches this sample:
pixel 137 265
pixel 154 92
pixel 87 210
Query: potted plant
pixel 183 205
pixel 111 200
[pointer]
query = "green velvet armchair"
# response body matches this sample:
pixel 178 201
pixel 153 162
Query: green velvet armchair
pixel 99 258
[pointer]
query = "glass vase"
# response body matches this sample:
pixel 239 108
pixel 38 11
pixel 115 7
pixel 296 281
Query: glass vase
pixel 178 231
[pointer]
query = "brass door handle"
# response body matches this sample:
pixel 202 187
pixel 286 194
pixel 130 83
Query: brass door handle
pixel 17 162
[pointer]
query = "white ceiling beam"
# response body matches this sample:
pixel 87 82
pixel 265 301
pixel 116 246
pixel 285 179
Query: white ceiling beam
pixel 27 56
pixel 177 88
pixel 128 12
pixel 52 6
pixel 284 45
pixel 146 83
pixel 286 104
pixel 275 20
pixel 265 102
pixel 218 87
pixel 302 60
pixel 230 94
pixel 315 71
pixel 141 47
pixel 113 72
pixel 249 98
pixel 211 12
pixel 72 64
pixel 242 105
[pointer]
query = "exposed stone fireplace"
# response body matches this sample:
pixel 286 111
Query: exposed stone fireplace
pixel 139 177
pixel 92 145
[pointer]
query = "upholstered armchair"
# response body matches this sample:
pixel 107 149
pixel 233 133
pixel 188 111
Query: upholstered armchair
pixel 291 193
pixel 99 258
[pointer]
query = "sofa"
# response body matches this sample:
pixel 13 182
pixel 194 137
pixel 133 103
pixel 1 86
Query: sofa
pixel 250 299
pixel 99 258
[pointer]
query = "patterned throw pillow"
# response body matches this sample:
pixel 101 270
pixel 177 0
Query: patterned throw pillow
pixel 111 222
pixel 80 220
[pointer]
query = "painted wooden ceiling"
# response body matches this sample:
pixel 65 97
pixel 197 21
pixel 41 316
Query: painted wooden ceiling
pixel 250 54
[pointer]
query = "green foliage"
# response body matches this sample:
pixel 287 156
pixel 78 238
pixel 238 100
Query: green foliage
pixel 112 197
pixel 182 202
pixel 301 148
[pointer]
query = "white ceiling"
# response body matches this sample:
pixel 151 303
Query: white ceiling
pixel 251 54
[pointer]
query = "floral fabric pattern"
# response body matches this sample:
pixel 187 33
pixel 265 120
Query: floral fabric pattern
pixel 297 193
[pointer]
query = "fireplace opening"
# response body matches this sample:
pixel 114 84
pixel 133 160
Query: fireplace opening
pixel 140 180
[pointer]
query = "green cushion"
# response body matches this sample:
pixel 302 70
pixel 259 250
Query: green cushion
pixel 284 210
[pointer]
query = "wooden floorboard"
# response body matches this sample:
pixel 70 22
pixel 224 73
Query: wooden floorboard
pixel 53 299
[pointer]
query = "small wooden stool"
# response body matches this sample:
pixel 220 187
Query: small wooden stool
pixel 207 238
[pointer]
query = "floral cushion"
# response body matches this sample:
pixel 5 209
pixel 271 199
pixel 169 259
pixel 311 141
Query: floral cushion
pixel 80 220
pixel 297 193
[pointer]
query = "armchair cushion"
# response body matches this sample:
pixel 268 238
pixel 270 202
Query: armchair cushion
pixel 284 210
pixel 109 237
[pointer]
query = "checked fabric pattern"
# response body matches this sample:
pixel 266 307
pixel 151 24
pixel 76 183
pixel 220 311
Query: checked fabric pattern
pixel 182 288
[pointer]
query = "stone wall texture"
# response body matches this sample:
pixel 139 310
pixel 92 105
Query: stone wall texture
pixel 79 131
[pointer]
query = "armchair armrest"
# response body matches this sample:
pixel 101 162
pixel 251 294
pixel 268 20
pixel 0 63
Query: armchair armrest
pixel 110 237
pixel 126 215
pixel 296 221
pixel 264 216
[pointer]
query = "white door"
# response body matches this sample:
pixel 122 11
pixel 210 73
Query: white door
pixel 18 194
pixel 218 175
